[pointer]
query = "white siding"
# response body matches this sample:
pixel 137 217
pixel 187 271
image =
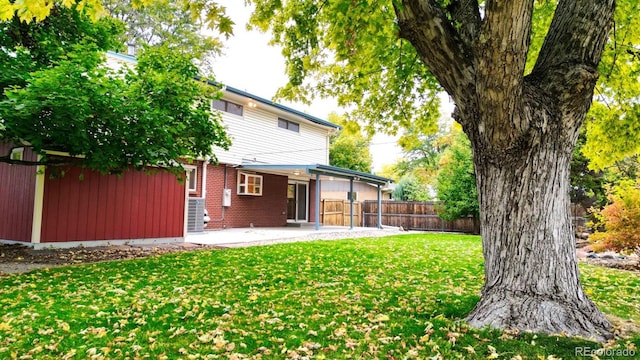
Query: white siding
pixel 256 137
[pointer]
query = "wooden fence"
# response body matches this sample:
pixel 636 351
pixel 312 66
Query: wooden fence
pixel 337 213
pixel 413 215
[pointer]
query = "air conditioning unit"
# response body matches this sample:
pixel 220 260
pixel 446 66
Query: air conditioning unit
pixel 195 215
pixel 226 197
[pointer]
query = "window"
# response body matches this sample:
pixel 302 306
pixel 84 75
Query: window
pixel 355 195
pixel 17 154
pixel 289 125
pixel 192 179
pixel 249 184
pixel 227 106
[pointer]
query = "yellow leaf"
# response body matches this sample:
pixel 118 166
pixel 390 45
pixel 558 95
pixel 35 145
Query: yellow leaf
pixel 7 9
pixel 5 326
pixel 64 326
pixel 381 318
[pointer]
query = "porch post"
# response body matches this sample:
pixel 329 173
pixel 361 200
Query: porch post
pixel 317 202
pixel 379 208
pixel 351 203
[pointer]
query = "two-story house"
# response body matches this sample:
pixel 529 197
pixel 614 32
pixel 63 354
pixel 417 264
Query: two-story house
pixel 271 176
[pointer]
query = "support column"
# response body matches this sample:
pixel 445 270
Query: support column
pixel 317 226
pixel 379 222
pixel 351 203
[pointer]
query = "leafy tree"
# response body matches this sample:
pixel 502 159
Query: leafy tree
pixel 456 182
pixel 349 148
pixel 521 89
pixel 205 12
pixel 60 96
pixel 173 23
pixel 421 152
pixel 620 218
pixel 410 188
pixel 587 185
pixel 613 124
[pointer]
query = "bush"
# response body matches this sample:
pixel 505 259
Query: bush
pixel 620 219
pixel 409 188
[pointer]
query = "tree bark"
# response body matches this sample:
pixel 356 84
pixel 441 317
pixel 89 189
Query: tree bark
pixel 531 274
pixel 523 130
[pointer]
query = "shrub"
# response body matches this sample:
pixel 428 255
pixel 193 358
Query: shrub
pixel 620 219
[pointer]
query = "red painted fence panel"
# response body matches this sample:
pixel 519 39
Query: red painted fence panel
pixel 17 191
pixel 135 205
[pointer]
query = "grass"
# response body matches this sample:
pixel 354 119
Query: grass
pixel 390 298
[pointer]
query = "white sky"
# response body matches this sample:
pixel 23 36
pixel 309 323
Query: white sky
pixel 250 64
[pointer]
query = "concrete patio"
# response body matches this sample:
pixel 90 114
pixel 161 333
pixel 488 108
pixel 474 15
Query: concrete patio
pixel 242 237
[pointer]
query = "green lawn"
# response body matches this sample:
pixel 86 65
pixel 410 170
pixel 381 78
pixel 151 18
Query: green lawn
pixel 390 298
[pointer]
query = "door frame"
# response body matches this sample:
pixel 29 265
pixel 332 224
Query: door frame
pixel 306 195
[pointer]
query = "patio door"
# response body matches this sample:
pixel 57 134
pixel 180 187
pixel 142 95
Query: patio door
pixel 298 201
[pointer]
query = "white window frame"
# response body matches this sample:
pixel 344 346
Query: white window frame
pixel 192 170
pixel 355 196
pixel 17 154
pixel 246 181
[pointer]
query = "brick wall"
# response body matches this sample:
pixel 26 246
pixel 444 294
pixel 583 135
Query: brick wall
pixel 268 210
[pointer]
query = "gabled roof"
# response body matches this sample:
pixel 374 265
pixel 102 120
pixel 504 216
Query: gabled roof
pixel 279 106
pixel 313 119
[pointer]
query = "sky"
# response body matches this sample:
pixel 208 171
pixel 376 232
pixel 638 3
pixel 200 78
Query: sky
pixel 249 63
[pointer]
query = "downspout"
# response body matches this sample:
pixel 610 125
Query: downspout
pixel 224 186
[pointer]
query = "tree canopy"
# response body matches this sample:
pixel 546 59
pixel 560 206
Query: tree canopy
pixel 349 148
pixel 59 95
pixel 176 24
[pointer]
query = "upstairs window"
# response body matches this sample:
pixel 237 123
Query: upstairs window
pixel 227 106
pixel 289 125
pixel 249 184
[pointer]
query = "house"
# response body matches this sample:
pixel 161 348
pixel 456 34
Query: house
pixel 273 171
pixel 271 176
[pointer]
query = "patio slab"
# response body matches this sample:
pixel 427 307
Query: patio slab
pixel 241 237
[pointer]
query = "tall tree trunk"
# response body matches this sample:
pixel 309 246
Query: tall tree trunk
pixel 523 130
pixel 531 274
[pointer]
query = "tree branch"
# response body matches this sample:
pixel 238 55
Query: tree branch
pixel 425 25
pixel 9 160
pixel 501 54
pixel 576 39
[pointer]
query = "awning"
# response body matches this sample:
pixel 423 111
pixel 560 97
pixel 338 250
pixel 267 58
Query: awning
pixel 318 169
